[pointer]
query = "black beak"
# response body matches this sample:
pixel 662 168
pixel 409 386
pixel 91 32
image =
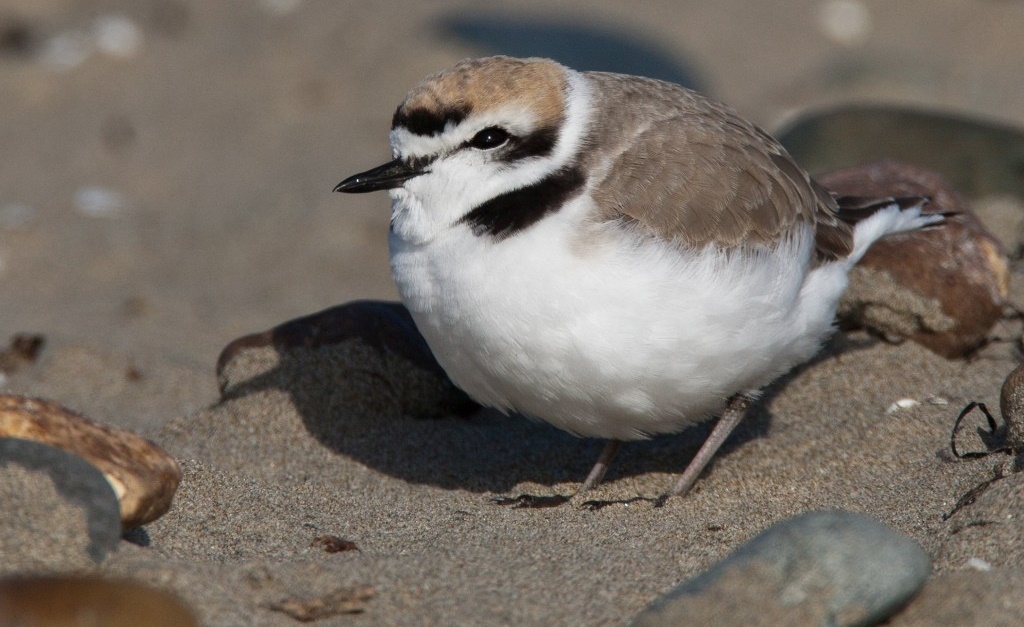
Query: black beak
pixel 387 176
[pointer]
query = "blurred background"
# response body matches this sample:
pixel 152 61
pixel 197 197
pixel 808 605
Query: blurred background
pixel 167 164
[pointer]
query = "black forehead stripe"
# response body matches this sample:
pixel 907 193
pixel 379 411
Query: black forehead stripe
pixel 539 143
pixel 421 121
pixel 505 215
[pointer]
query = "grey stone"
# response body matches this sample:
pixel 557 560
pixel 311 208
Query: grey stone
pixel 820 568
pixel 59 512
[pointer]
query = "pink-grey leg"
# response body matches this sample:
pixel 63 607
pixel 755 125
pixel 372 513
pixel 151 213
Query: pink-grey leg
pixel 611 447
pixel 734 412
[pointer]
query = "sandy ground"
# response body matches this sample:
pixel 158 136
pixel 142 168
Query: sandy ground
pixel 163 195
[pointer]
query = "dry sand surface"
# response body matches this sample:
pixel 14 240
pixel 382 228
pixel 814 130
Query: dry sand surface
pixel 167 189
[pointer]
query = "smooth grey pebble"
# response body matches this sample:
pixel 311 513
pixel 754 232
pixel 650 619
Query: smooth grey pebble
pixel 819 568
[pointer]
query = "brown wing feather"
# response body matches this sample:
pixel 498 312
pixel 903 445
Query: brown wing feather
pixel 701 175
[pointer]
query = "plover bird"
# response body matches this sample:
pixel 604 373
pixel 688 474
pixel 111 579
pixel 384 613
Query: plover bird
pixel 615 255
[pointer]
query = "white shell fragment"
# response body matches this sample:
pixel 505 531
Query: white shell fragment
pixel 903 403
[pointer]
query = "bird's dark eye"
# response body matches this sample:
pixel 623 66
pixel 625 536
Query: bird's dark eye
pixel 490 137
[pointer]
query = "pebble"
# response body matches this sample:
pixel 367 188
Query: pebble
pixel 144 477
pixel 903 403
pixel 67 50
pixel 819 568
pixel 98 202
pixel 114 34
pixel 67 601
pixel 117 35
pixel 943 288
pixel 58 510
pixel 1011 406
pixel 979 564
pixel 374 339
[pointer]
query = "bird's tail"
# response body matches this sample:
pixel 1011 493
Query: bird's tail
pixel 874 218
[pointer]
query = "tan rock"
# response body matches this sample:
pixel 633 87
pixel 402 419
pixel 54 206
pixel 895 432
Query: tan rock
pixel 941 287
pixel 142 474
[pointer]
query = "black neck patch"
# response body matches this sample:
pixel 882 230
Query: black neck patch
pixel 512 212
pixel 428 122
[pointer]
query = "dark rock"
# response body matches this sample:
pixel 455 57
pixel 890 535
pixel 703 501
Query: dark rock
pixel 58 512
pixel 942 287
pixel 328 347
pixel 820 568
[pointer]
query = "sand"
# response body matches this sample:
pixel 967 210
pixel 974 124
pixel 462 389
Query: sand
pixel 220 137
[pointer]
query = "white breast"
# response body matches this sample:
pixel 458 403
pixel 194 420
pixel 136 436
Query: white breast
pixel 612 337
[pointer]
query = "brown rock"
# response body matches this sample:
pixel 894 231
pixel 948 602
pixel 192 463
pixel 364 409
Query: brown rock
pixel 1011 406
pixel 333 544
pixel 61 601
pixel 142 474
pixel 941 287
pixel 401 360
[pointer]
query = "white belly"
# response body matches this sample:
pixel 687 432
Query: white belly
pixel 611 338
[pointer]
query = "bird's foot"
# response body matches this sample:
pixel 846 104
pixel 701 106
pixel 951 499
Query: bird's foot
pixel 599 504
pixel 531 501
